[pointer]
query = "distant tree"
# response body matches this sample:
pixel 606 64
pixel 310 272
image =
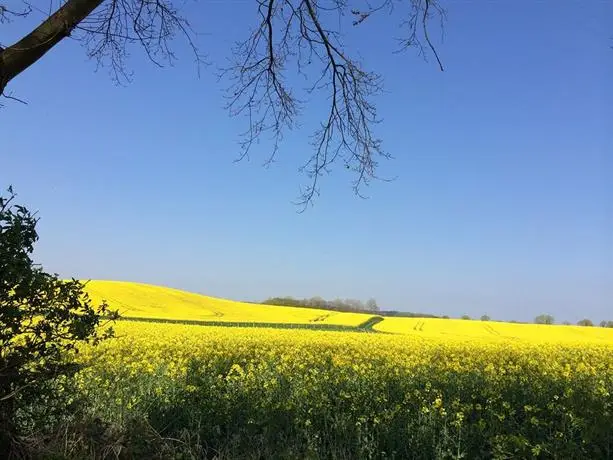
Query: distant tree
pixel 485 318
pixel 605 323
pixel 544 319
pixel 445 316
pixel 585 322
pixel 566 323
pixel 371 305
pixel 337 304
pixel 317 302
pixel 354 304
pixel 282 301
pixel 42 320
pixel 465 317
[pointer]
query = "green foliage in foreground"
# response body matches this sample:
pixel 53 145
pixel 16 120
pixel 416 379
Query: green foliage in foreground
pixel 42 319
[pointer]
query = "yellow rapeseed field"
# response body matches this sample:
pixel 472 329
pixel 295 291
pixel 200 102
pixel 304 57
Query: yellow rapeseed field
pixel 411 388
pixel 149 301
pixel 359 395
pixel 448 329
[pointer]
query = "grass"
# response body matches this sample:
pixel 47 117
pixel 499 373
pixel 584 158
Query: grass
pixel 366 326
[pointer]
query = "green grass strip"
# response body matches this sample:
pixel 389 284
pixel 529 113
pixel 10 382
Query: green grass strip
pixel 366 326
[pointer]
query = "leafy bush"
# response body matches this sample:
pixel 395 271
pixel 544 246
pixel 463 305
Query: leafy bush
pixel 42 319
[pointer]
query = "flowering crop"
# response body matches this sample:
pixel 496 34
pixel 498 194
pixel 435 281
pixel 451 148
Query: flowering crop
pixel 456 329
pixel 348 395
pixel 148 301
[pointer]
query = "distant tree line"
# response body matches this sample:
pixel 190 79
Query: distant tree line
pixel 548 319
pixel 371 306
pixel 342 305
pixel 351 305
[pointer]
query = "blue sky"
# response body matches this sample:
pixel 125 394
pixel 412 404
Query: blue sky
pixel 502 202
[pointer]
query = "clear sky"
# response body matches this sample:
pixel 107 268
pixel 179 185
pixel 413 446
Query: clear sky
pixel 503 202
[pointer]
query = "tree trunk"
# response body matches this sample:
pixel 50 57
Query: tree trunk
pixel 21 55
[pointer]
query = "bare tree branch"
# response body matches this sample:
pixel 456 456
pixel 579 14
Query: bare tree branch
pixel 13 98
pixel 107 28
pixel 424 21
pixel 151 24
pixel 6 14
pixel 417 22
pixel 295 31
pixel 258 87
pixel 301 34
pixel 25 52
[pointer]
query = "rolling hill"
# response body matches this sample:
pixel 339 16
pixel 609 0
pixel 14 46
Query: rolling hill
pixel 138 300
